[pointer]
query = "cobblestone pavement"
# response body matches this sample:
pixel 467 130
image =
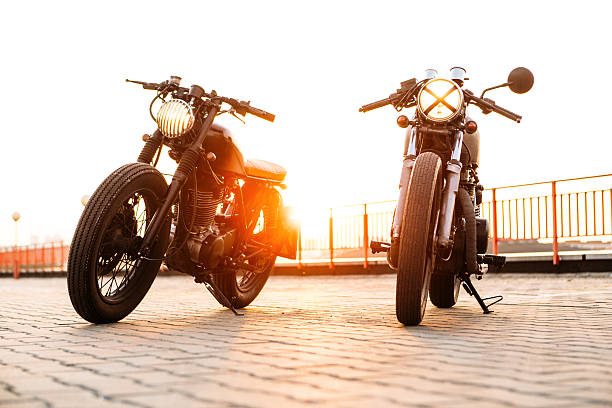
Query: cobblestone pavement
pixel 312 341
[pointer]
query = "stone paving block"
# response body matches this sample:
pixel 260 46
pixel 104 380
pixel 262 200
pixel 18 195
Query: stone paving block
pixel 30 403
pixel 34 384
pixel 80 399
pixel 155 378
pixel 170 399
pixel 222 394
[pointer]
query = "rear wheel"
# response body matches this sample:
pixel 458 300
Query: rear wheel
pixel 242 286
pixel 416 252
pixel 445 282
pixel 107 278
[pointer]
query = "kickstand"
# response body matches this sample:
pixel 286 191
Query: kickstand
pixel 217 294
pixel 471 290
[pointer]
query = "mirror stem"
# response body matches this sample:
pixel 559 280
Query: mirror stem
pixel 493 87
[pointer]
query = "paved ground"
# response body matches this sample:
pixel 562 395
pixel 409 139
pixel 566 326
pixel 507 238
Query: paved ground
pixel 312 341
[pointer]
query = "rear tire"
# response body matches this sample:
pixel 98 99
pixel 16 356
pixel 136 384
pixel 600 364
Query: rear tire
pixel 106 277
pixel 445 282
pixel 241 287
pixel 416 253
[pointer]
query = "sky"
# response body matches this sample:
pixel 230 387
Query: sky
pixel 69 119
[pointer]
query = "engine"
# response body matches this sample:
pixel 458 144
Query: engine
pixel 198 206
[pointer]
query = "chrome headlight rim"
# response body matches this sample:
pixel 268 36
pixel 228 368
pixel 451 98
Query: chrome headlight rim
pixel 175 118
pixel 454 108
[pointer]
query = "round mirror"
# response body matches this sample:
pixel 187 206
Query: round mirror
pixel 520 80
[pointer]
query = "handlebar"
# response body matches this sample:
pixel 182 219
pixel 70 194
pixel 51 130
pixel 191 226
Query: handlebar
pixel 261 114
pixel 376 105
pixel 243 108
pixel 488 105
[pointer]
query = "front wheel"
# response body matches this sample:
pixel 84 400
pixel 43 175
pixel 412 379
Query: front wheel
pixel 107 278
pixel 416 252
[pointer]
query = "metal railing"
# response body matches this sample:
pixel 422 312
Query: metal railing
pixel 50 257
pixel 532 211
pixel 547 210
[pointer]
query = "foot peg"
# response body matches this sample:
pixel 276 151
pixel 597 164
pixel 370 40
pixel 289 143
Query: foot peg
pixel 495 262
pixel 379 246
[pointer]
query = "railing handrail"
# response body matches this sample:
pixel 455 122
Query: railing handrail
pixel 486 189
pixel 549 182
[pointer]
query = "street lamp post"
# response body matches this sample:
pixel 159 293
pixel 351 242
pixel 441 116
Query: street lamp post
pixel 16 216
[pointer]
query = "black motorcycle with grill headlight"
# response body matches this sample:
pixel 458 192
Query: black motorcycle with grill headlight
pixel 438 239
pixel 221 219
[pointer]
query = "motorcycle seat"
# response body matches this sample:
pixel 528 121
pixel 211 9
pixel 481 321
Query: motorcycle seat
pixel 265 170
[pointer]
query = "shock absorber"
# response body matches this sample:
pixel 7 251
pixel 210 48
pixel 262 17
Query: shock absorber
pixel 151 145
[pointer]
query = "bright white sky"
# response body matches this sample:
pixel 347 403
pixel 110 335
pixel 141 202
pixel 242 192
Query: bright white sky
pixel 68 119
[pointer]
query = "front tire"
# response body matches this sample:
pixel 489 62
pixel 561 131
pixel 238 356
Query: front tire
pixel 416 253
pixel 107 278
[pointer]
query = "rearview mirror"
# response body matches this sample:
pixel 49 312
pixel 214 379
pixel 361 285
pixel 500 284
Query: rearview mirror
pixel 520 80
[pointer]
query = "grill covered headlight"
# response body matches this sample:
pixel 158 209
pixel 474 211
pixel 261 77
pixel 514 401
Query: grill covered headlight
pixel 175 118
pixel 440 100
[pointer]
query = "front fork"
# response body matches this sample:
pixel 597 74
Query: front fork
pixel 449 194
pixel 185 167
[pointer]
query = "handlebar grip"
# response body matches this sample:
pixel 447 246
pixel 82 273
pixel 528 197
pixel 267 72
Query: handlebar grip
pixel 489 105
pixel 375 105
pixel 506 113
pixel 261 114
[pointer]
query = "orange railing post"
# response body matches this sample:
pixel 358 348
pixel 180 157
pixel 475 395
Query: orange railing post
pixel 365 236
pixel 495 238
pixel 52 256
pixel 300 245
pixel 331 239
pixel 15 264
pixel 554 219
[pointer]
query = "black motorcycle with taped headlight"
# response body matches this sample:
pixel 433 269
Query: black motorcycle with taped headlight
pixel 438 239
pixel 221 219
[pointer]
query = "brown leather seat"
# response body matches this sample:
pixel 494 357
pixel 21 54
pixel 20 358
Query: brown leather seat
pixel 265 169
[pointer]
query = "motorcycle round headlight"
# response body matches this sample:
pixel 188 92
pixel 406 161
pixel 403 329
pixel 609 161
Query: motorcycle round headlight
pixel 175 118
pixel 440 100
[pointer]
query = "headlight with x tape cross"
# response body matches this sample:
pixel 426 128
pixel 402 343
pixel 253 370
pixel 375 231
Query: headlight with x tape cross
pixel 440 100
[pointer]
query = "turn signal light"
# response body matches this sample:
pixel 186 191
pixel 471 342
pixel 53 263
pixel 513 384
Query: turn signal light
pixel 402 121
pixel 471 127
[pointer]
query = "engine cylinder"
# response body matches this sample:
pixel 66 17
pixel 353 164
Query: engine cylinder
pixel 199 207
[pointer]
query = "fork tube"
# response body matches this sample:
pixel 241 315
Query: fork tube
pixel 409 159
pixel 453 171
pixel 187 164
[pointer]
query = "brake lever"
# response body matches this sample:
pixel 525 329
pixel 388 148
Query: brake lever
pixel 233 113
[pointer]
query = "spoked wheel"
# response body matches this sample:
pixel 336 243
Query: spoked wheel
pixel 445 282
pixel 107 278
pixel 417 239
pixel 242 286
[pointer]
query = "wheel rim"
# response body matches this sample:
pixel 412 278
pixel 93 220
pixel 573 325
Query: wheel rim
pixel 261 259
pixel 117 258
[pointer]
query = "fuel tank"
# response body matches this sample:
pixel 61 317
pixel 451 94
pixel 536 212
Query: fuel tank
pixel 229 158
